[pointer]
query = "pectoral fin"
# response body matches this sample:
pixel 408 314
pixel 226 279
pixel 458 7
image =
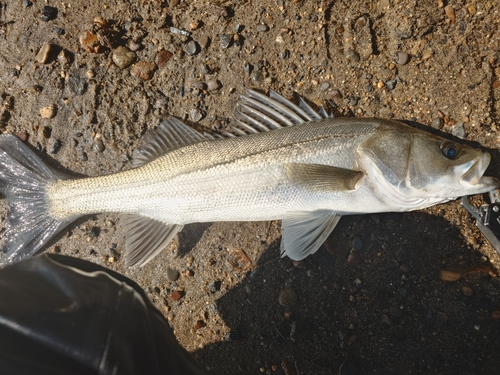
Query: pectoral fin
pixel 146 237
pixel 323 177
pixel 304 232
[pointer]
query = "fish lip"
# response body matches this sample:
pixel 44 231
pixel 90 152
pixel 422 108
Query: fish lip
pixel 474 174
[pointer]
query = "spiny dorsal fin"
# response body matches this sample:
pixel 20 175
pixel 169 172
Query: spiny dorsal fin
pixel 323 177
pixel 304 232
pixel 170 135
pixel 146 237
pixel 258 112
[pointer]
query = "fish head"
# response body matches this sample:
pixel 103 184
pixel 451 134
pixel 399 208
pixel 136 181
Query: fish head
pixel 413 164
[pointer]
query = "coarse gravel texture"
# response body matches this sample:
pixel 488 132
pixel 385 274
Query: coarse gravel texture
pixel 374 299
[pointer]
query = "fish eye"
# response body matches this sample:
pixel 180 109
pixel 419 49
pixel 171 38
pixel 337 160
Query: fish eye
pixel 449 149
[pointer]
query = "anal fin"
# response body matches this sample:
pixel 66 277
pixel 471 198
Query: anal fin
pixel 304 232
pixel 146 237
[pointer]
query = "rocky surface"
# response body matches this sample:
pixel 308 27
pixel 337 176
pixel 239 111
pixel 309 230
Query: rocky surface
pixel 387 294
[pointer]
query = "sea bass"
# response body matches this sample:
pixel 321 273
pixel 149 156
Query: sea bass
pixel 297 165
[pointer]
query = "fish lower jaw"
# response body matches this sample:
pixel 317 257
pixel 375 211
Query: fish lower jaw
pixel 483 185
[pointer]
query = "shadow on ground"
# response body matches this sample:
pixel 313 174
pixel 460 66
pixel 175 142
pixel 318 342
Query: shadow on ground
pixel 380 309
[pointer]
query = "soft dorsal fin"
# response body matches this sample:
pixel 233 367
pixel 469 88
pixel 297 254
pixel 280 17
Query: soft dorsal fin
pixel 146 237
pixel 323 177
pixel 170 135
pixel 304 232
pixel 258 112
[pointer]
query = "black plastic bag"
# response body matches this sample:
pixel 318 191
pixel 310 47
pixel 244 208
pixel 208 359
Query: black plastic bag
pixel 62 315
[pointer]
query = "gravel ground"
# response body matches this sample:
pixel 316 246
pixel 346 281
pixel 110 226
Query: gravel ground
pixel 83 80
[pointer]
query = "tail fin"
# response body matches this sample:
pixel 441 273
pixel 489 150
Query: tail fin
pixel 23 179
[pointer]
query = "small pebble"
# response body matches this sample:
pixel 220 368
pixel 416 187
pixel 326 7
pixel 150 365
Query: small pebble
pixel 288 297
pixel 89 42
pixel 386 320
pixel 353 259
pixel 77 84
pixel 401 58
pixel 27 3
pixel 45 131
pixel 134 45
pixel 262 27
pixel 391 84
pixel 123 57
pixel 248 67
pixel 395 312
pixel 162 58
pixel 334 94
pixel 175 295
pixel 63 57
pixel 191 48
pixel 172 274
pixel 48 112
pixel 225 41
pixel 99 146
pixel 43 55
pixel 446 275
pixel 450 13
pixel 467 291
pixel 357 244
pixel 353 101
pixel 206 69
pixel 284 54
pixel 427 54
pixel 380 84
pixel 352 55
pixel 404 268
pixel 324 86
pixel 193 25
pixel 437 123
pixel 82 155
pixel 48 13
pixel 472 9
pixel 55 146
pixel 58 30
pixel 495 314
pixel 175 30
pixel 203 41
pixel 213 85
pixel 256 76
pixel 195 114
pixel 458 130
pixel 143 69
pixel 23 136
pixel 101 22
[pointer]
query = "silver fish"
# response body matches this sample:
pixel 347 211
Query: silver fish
pixel 298 165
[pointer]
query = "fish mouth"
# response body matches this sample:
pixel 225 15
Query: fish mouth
pixel 474 174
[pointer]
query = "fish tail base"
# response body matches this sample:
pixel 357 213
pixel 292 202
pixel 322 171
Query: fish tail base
pixel 23 181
